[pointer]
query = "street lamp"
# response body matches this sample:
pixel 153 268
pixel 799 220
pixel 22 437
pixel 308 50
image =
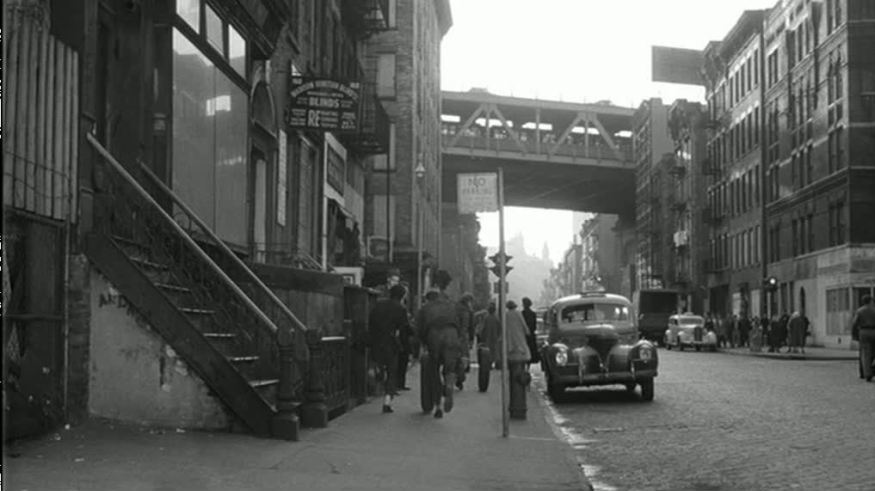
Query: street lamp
pixel 420 229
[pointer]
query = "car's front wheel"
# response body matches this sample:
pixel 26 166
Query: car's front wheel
pixel 647 390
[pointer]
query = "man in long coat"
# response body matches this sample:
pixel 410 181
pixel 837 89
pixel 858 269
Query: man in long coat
pixel 438 329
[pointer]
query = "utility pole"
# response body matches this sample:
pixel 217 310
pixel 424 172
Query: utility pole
pixel 502 293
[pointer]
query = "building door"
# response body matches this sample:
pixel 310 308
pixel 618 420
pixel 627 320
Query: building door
pixel 259 213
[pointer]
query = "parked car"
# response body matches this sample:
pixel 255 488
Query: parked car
pixel 592 339
pixel 689 330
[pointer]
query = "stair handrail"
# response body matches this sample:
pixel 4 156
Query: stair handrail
pixel 198 250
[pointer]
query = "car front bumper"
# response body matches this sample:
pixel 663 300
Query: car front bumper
pixel 571 375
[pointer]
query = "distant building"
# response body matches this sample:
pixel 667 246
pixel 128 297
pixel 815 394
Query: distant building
pixel 686 126
pixel 600 266
pixel 404 209
pixel 733 77
pixel 653 216
pixel 819 75
pixel 791 101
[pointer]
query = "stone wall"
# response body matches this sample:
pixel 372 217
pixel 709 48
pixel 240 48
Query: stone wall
pixel 137 377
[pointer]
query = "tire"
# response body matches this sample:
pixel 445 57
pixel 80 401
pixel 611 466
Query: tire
pixel 680 345
pixel 647 390
pixel 698 348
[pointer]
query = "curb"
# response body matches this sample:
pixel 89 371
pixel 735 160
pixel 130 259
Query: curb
pixel 796 357
pixel 573 459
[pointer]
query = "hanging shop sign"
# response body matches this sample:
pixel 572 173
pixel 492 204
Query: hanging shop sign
pixel 322 104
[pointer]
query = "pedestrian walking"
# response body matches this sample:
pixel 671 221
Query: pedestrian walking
pixel 756 334
pixel 796 336
pixel 488 337
pixel 732 331
pixel 387 322
pixel 438 330
pixel 726 331
pixel 465 320
pixel 781 334
pixel 709 322
pixel 532 326
pixel 407 342
pixel 518 356
pixel 864 327
pixel 743 331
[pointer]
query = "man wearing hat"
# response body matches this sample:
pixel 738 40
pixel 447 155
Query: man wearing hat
pixel 438 329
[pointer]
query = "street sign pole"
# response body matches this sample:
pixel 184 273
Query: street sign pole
pixel 502 293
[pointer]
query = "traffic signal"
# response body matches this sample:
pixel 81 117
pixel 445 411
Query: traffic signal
pixel 497 259
pixel 770 284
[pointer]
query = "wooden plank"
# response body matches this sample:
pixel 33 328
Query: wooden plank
pixel 33 83
pixel 73 176
pixel 20 127
pixel 43 184
pixel 60 58
pixel 49 125
pixel 10 96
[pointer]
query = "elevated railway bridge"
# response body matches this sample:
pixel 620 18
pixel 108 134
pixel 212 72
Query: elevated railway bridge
pixel 557 155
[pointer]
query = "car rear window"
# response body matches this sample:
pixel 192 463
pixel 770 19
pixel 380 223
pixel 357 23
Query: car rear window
pixel 691 320
pixel 595 312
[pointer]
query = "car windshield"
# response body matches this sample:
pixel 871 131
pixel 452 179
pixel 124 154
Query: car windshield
pixel 691 320
pixel 595 312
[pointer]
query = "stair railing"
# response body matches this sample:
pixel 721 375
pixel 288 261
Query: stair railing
pixel 289 338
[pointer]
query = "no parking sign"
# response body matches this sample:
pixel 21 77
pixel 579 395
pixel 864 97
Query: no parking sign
pixel 477 192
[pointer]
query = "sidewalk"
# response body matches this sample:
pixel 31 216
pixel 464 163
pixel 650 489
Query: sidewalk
pixel 811 353
pixel 361 450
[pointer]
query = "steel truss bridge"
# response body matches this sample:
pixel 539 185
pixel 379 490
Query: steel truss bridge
pixel 557 155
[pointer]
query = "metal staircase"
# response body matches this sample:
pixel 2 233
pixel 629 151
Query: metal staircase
pixel 206 303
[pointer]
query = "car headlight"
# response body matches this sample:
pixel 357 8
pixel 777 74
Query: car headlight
pixel 645 353
pixel 562 358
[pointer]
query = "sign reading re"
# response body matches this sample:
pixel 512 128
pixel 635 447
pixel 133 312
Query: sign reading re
pixel 477 192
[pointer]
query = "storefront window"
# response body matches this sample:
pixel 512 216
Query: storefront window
pixel 190 12
pixel 209 141
pixel 214 30
pixel 236 51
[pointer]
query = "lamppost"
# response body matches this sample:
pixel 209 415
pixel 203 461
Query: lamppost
pixel 420 228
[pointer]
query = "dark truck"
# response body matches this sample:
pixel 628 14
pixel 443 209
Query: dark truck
pixel 654 307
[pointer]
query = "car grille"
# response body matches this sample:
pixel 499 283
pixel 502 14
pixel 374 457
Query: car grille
pixel 602 346
pixel 697 333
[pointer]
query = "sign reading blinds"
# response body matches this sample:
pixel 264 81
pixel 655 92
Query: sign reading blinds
pixel 477 192
pixel 325 105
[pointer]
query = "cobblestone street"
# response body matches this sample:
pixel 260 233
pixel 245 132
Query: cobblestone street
pixel 722 422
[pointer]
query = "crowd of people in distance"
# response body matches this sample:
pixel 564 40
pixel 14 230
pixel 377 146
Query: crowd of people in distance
pixel 777 332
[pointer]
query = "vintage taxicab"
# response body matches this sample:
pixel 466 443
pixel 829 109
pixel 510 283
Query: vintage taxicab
pixel 593 340
pixel 688 330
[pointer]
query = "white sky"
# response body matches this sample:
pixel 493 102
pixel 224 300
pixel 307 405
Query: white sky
pixel 576 51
